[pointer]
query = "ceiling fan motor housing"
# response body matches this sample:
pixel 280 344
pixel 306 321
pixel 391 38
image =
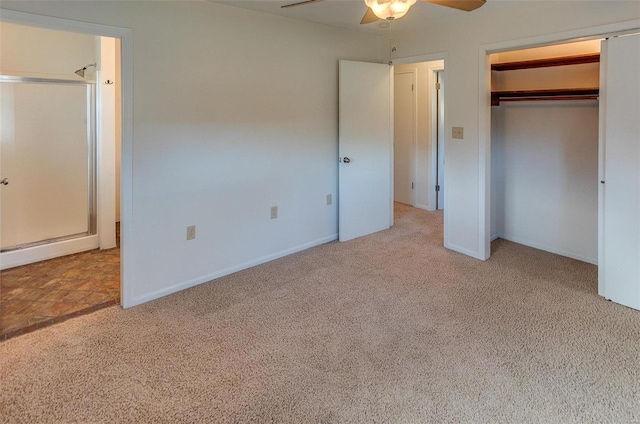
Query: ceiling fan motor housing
pixel 389 9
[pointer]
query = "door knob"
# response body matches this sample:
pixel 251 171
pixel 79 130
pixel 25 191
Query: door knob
pixel 4 181
pixel 346 160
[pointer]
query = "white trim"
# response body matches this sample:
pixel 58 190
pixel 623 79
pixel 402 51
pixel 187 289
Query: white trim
pixel 207 278
pixel 604 49
pixel 391 144
pixel 421 58
pixel 43 252
pixel 457 248
pixel 435 123
pixel 484 157
pixel 126 204
pixel 484 118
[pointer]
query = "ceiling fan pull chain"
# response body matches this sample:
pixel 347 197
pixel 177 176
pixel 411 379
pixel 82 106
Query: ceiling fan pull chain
pixel 391 46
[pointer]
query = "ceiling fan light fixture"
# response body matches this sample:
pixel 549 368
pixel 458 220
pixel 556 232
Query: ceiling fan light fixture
pixel 389 9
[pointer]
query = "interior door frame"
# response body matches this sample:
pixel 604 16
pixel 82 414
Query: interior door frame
pixel 435 57
pixel 437 134
pixel 484 110
pixel 125 35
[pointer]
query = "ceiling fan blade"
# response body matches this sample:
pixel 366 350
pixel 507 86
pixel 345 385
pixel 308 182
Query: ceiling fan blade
pixel 300 3
pixel 369 17
pixel 466 5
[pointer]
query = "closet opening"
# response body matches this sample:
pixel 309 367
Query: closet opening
pixel 538 181
pixel 544 148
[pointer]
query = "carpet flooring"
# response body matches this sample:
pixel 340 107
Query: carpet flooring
pixel 388 328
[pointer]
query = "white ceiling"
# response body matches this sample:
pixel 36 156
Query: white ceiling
pixel 348 13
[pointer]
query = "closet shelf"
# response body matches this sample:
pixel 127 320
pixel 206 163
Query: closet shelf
pixel 555 94
pixel 546 63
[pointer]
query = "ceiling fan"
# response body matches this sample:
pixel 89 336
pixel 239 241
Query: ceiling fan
pixel 394 9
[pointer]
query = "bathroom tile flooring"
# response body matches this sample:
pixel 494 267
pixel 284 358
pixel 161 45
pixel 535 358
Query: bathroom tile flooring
pixel 44 293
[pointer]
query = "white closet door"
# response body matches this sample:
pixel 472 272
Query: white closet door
pixel 619 196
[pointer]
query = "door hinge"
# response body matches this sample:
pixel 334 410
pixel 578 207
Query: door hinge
pixel 437 188
pixel 437 86
pixel 411 186
pixel 411 87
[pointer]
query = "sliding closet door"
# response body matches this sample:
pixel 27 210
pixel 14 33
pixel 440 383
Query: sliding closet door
pixel 619 195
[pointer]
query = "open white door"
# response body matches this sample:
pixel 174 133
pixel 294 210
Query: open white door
pixel 365 148
pixel 619 202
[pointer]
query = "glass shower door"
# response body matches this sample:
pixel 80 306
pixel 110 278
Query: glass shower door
pixel 47 156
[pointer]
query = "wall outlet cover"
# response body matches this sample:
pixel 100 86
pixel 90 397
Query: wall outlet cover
pixel 274 212
pixel 329 199
pixel 191 232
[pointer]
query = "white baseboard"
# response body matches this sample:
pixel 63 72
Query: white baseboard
pixel 47 251
pixel 464 251
pixel 549 249
pixel 425 207
pixel 206 278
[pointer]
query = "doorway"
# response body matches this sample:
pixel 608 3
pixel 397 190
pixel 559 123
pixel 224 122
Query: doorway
pixel 419 134
pixel 545 148
pixel 75 209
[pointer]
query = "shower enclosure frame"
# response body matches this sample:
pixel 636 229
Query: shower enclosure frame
pixel 92 158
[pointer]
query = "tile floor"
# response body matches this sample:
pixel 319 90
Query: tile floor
pixel 44 293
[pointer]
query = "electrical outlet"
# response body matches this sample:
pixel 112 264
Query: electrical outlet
pixel 329 199
pixel 274 212
pixel 191 232
pixel 457 132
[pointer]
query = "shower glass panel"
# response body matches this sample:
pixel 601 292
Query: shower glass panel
pixel 48 157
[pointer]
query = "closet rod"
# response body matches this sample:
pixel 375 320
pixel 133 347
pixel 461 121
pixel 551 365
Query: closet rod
pixel 557 94
pixel 529 99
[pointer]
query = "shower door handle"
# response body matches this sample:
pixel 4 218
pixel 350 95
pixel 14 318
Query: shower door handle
pixel 4 181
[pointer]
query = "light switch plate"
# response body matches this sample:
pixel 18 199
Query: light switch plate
pixel 191 232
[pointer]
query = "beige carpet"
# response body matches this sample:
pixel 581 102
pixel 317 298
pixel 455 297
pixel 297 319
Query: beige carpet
pixel 390 328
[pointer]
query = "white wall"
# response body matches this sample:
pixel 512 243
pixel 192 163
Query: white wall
pixel 234 111
pixel 425 150
pixel 29 51
pixel 109 142
pixel 546 175
pixel 573 76
pixel 461 38
pixel 558 50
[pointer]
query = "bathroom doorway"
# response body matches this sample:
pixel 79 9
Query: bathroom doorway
pixel 59 93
